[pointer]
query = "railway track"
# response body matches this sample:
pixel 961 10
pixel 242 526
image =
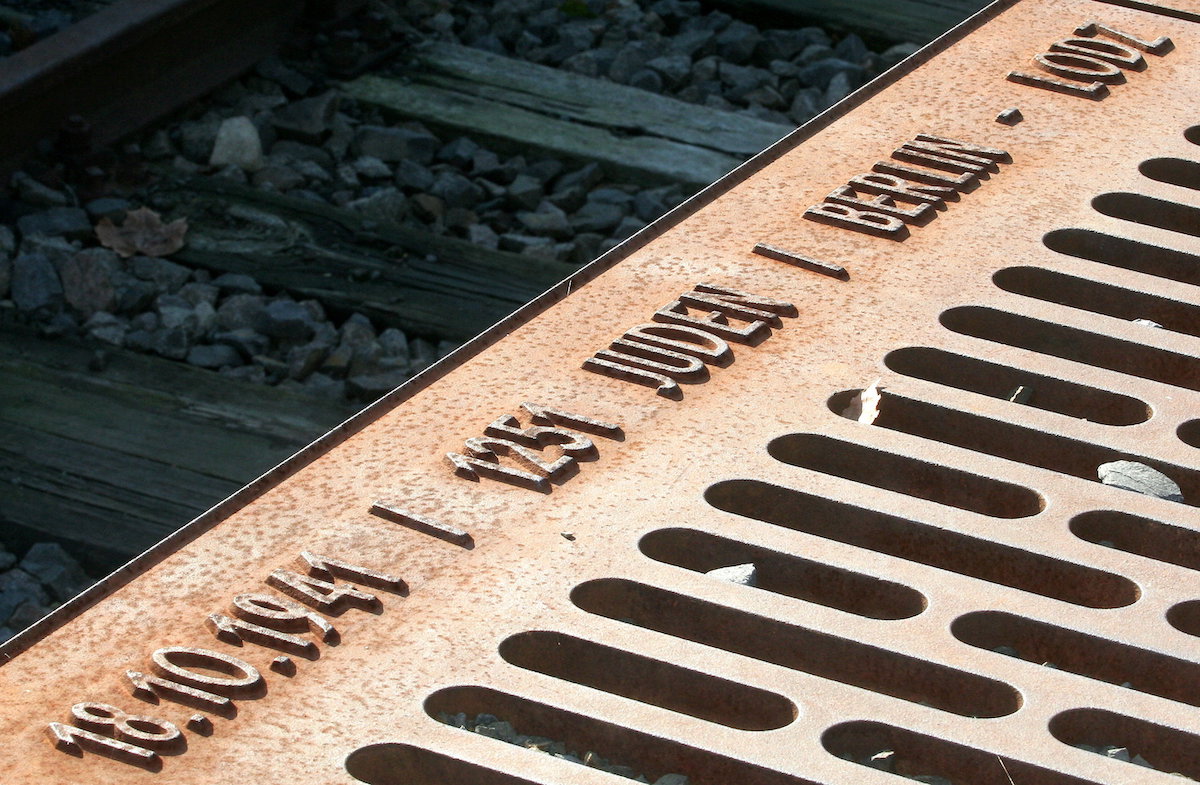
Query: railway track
pixel 123 67
pixel 433 280
pixel 874 460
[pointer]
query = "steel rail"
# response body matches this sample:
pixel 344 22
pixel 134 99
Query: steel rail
pixel 130 64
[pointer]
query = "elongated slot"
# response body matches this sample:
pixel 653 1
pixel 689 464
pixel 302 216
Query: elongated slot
pixel 1000 381
pixel 923 543
pixel 1082 654
pixel 1185 617
pixel 648 680
pixel 1011 442
pixel 1126 254
pixel 1148 211
pixel 784 574
pixel 1192 134
pixel 1070 343
pixel 902 474
pixel 404 764
pixel 1189 433
pixel 1173 171
pixel 1153 539
pixel 798 648
pixel 1105 299
pixel 1167 749
pixel 650 755
pixel 915 754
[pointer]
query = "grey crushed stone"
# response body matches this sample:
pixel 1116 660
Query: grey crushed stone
pixel 70 222
pixel 396 144
pixel 213 356
pixel 285 319
pixel 56 569
pixel 34 192
pixel 1140 478
pixel 308 120
pixel 106 328
pixel 166 275
pixel 493 727
pixel 111 207
pixel 88 281
pixel 741 574
pixel 35 284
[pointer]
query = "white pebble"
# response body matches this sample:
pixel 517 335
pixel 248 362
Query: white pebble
pixel 237 144
pixel 741 574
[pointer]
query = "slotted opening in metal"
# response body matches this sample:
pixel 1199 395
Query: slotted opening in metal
pixel 652 756
pixel 1003 381
pixel 1189 433
pixel 1101 298
pixel 404 764
pixel 1007 440
pixel 1127 254
pixel 894 472
pixel 916 754
pixel 1149 211
pixel 1153 539
pixel 1166 749
pixel 1173 171
pixel 1185 617
pixel 922 543
pixel 1070 343
pixel 798 648
pixel 648 680
pixel 784 574
pixel 1079 653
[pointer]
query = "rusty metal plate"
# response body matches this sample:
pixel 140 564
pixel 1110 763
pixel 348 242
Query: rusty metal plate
pixel 943 584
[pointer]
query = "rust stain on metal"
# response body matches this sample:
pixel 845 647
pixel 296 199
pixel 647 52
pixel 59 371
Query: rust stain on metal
pixel 739 583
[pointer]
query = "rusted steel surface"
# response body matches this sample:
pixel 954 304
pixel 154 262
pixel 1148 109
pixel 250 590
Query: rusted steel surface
pixel 131 63
pixel 894 557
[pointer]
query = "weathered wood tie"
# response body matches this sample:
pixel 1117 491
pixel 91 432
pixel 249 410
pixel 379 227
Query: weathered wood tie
pixel 634 133
pixel 455 295
pixel 116 460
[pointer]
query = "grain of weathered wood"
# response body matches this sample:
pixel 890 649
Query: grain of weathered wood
pixel 642 159
pixel 360 230
pixel 63 488
pixel 918 21
pixel 140 421
pixel 635 134
pixel 116 459
pixel 351 264
pixel 593 101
